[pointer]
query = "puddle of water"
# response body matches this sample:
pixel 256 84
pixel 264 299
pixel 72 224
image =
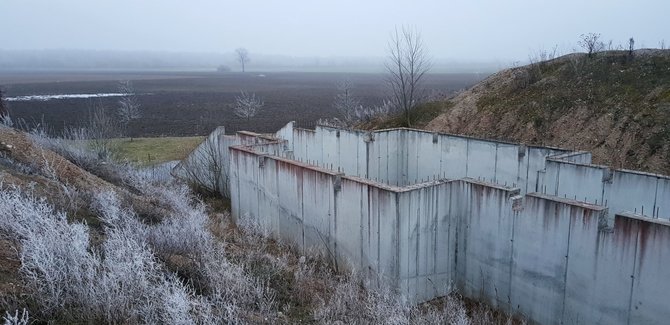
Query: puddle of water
pixel 62 96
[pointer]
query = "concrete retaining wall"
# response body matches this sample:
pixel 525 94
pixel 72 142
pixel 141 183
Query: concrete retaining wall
pixel 406 156
pixel 429 212
pixel 316 209
pixel 426 231
pixel 620 190
pixel 403 157
pixel 553 260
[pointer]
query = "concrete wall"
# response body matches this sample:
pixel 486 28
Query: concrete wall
pixel 484 244
pixel 343 218
pixel 406 156
pixel 620 190
pixel 209 163
pixel 400 235
pixel 403 157
pixel 426 230
pixel 559 261
pixel 462 215
pixel 286 133
pixel 587 271
pixel 552 260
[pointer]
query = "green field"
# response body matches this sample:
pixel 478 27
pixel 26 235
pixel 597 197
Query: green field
pixel 148 151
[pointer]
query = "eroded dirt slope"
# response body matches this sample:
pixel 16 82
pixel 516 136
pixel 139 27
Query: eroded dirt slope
pixel 613 104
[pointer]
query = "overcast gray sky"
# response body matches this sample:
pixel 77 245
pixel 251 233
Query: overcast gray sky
pixel 463 30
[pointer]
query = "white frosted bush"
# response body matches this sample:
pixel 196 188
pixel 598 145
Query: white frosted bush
pixel 15 319
pixel 72 147
pixel 350 303
pixel 54 253
pixel 228 288
pixel 72 281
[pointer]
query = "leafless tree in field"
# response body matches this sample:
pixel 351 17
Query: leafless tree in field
pixel 247 105
pixel 346 103
pixel 591 43
pixel 242 56
pixel 407 64
pixel 129 108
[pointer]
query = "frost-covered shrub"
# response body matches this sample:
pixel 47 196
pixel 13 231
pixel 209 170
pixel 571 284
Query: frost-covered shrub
pixel 119 282
pixel 351 302
pixel 6 121
pixel 15 319
pixel 182 241
pixel 73 148
pixel 230 283
pixel 160 173
pixel 54 253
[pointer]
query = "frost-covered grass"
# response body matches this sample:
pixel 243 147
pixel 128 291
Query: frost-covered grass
pixel 16 318
pixel 69 280
pixel 126 278
pixel 171 271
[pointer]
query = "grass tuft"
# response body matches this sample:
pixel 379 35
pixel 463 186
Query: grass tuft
pixel 149 151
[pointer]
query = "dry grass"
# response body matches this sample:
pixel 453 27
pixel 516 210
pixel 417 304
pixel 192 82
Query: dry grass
pixel 148 151
pixel 614 105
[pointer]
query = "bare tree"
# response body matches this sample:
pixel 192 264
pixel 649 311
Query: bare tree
pixel 242 56
pixel 407 64
pixel 591 43
pixel 247 105
pixel 129 108
pixel 346 103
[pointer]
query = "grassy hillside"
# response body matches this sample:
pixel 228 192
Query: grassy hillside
pixel 614 104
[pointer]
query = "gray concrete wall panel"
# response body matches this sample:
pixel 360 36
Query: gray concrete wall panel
pixel 484 256
pixel 539 260
pixel 635 192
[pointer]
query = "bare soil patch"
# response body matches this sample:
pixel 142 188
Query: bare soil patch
pixel 188 104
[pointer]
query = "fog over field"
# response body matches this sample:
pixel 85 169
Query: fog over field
pixel 74 52
pixel 470 162
pixel 308 35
